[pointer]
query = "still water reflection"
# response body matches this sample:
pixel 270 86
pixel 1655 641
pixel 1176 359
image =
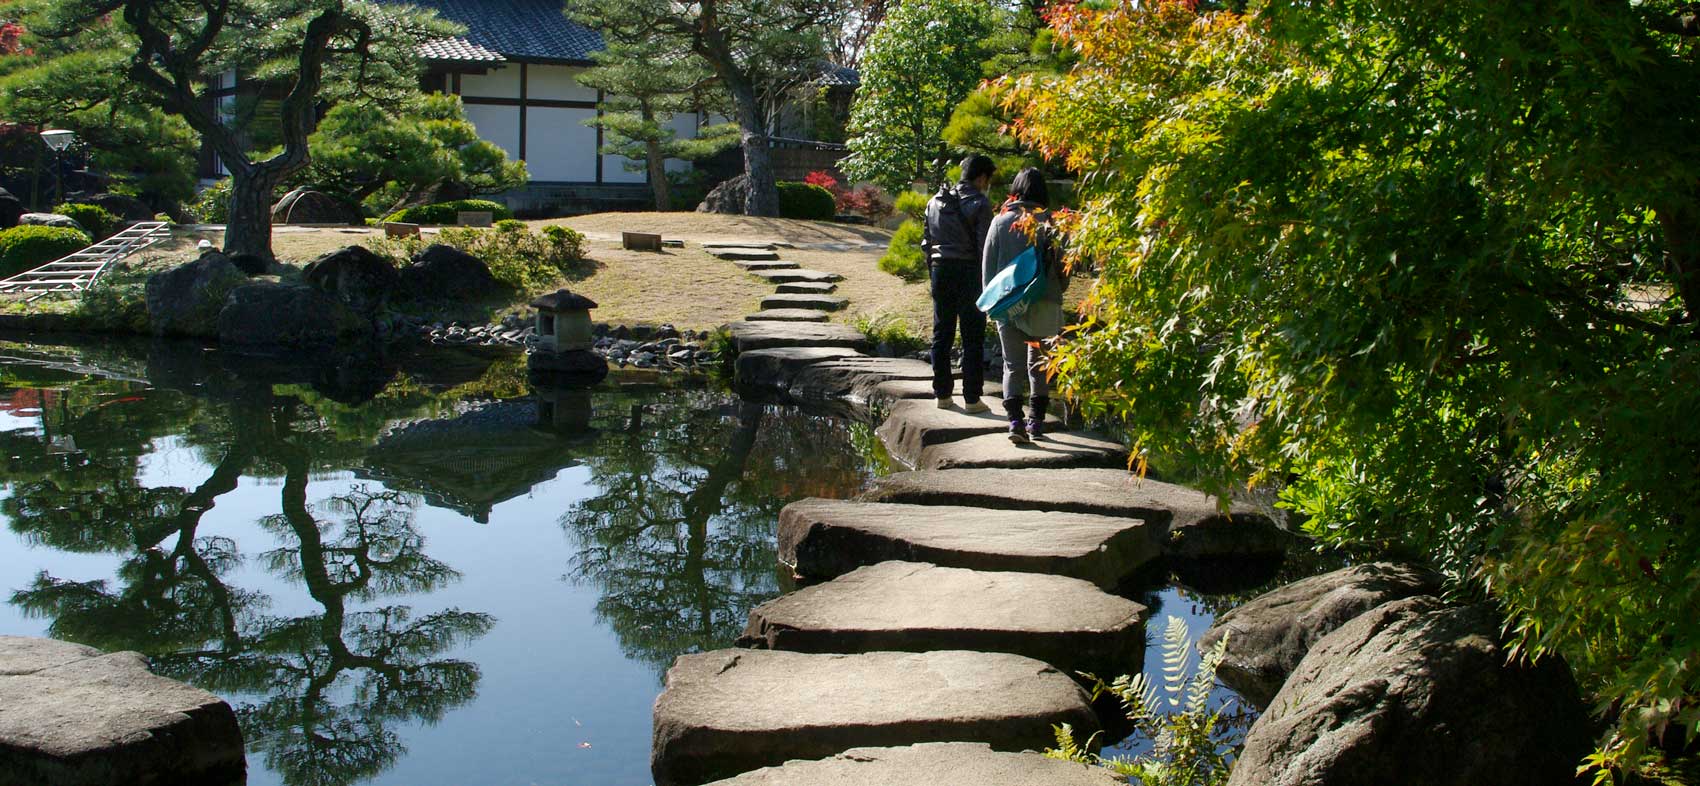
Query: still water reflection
pixel 411 572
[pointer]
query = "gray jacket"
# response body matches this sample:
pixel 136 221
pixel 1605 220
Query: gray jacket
pixel 1004 243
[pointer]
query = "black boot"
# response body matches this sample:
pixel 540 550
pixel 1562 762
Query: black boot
pixel 1017 421
pixel 1036 426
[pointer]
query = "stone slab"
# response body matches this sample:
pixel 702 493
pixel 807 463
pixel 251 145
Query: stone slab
pixel 913 425
pixel 767 335
pixel 725 245
pixel 769 264
pixel 807 288
pixel 849 378
pixel 822 539
pixel 800 274
pixel 1196 524
pixel 930 764
pixel 727 712
pixel 788 315
pixel 745 254
pixel 886 394
pixel 773 368
pixel 71 715
pixel 916 607
pixel 1066 450
pixel 818 302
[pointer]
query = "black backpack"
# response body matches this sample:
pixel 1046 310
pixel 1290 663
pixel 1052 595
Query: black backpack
pixel 946 234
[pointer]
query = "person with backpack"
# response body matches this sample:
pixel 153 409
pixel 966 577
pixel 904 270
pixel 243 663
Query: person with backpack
pixel 958 219
pixel 1023 332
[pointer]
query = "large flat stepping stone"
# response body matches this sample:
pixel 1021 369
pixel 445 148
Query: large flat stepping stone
pixel 913 425
pixel 807 288
pixel 71 715
pixel 930 764
pixel 767 335
pixel 915 607
pixel 788 315
pixel 1197 525
pixel 1066 450
pixel 727 712
pixel 817 302
pixel 851 378
pixel 745 254
pixel 774 368
pixel 885 395
pixel 822 539
pixel 767 265
pixel 800 274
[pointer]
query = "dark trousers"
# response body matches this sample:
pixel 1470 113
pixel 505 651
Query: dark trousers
pixel 956 285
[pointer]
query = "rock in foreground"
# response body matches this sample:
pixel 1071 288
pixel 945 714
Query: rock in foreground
pixel 1418 694
pixel 1270 634
pixel 731 711
pixel 929 764
pixel 70 716
pixel 916 607
pixel 823 539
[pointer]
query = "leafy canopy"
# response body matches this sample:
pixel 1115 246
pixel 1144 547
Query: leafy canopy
pixel 1431 265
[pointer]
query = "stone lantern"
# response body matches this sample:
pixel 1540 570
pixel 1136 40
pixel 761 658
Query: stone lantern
pixel 563 350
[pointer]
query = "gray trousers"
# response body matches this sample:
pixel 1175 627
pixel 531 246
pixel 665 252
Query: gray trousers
pixel 1023 364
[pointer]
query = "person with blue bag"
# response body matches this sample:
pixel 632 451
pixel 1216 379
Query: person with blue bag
pixel 1023 289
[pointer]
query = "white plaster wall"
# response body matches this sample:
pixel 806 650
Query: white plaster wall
pixel 559 146
pixel 556 83
pixel 500 83
pixel 685 125
pixel 500 124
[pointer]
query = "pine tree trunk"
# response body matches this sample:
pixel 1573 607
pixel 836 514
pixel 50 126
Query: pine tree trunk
pixel 658 176
pixel 763 199
pixel 248 230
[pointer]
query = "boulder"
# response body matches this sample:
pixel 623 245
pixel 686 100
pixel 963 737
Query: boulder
pixel 275 315
pixel 50 220
pixel 447 273
pixel 127 208
pixel 1420 694
pixel 186 300
pixel 1270 634
pixel 250 264
pixel 822 539
pixel 356 276
pixel 772 369
pixel 728 197
pixel 915 607
pixel 1053 451
pixel 731 711
pixel 851 379
pixel 11 209
pixel 306 206
pixel 73 716
pixel 930 764
pixel 766 335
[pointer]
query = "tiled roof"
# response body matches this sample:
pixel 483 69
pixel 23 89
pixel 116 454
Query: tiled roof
pixel 838 76
pixel 517 29
pixel 459 50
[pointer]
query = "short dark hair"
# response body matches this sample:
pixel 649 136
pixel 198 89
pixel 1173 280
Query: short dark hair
pixel 1029 186
pixel 977 166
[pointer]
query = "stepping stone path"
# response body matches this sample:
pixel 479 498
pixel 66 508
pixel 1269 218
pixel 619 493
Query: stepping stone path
pixel 745 254
pixel 768 265
pixel 816 302
pixel 788 315
pixel 807 288
pixel 1054 451
pixel 777 277
pixel 915 425
pixel 768 335
pixel 930 764
pixel 730 711
pixel 823 539
pixel 71 715
pixel 917 607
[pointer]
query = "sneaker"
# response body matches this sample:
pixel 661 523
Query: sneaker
pixel 945 402
pixel 1035 427
pixel 1018 432
pixel 975 407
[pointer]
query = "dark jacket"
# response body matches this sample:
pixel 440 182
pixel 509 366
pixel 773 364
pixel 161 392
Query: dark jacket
pixel 976 215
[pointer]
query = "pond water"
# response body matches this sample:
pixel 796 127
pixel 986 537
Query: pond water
pixel 406 571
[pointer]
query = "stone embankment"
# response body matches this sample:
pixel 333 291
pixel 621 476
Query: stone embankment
pixel 947 611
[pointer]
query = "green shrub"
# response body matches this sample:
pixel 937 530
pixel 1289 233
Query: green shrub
pixel 212 206
pixel 24 247
pixel 806 201
pixel 518 257
pixel 511 225
pixel 912 204
pixel 903 258
pixel 446 213
pixel 888 329
pixel 98 221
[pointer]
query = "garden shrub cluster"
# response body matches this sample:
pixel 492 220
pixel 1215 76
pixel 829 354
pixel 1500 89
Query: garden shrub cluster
pixel 98 221
pixel 903 258
pixel 24 247
pixel 446 213
pixel 212 205
pixel 806 201
pixel 522 259
pixel 911 205
pixel 867 199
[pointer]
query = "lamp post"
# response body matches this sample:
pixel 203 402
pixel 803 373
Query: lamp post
pixel 58 140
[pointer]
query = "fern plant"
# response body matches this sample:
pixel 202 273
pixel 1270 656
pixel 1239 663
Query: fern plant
pixel 1189 741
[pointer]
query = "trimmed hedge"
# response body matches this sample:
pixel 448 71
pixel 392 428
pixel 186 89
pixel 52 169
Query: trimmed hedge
pixel 25 247
pixel 446 213
pixel 806 201
pixel 100 222
pixel 903 258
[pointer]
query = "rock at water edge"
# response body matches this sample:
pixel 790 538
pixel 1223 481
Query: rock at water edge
pixel 930 764
pixel 186 300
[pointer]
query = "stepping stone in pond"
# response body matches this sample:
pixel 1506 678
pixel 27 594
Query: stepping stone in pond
pixel 766 335
pixel 71 715
pixel 767 265
pixel 774 368
pixel 1065 450
pixel 802 274
pixel 1196 525
pixel 822 539
pixel 917 607
pixel 849 379
pixel 914 425
pixel 727 712
pixel 817 302
pixel 887 394
pixel 746 254
pixel 807 288
pixel 930 764
pixel 788 315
